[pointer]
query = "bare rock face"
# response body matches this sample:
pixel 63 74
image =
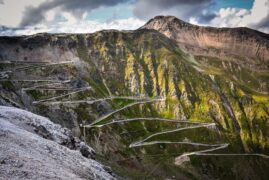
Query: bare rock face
pixel 48 130
pixel 32 147
pixel 199 40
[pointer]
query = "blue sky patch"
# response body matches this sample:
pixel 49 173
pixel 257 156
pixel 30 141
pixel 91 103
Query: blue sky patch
pixel 246 4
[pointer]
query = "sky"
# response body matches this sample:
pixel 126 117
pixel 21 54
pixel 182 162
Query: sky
pixel 25 17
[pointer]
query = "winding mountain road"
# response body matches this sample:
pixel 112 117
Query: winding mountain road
pixel 97 100
pixel 122 108
pixel 140 100
pixel 212 147
pixel 63 95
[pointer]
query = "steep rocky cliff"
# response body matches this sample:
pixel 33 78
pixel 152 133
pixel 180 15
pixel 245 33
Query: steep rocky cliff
pixel 139 91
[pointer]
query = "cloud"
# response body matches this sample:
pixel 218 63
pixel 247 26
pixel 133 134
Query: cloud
pixel 76 8
pixel 72 16
pixel 257 17
pixel 84 26
pixel 11 11
pixel 202 12
pixel 183 9
pixel 229 17
pixel 60 16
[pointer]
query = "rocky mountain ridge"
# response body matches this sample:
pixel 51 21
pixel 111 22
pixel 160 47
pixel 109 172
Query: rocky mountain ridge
pixel 220 42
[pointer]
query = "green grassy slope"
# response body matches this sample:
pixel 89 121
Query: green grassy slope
pixel 145 63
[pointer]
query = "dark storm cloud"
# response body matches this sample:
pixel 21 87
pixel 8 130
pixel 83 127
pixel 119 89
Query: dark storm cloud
pixel 263 23
pixel 8 31
pixel 180 8
pixel 143 9
pixel 171 3
pixel 204 18
pixel 1 1
pixel 77 7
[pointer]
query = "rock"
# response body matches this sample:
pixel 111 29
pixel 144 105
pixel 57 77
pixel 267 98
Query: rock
pixel 46 129
pixel 86 151
pixel 181 159
pixel 32 147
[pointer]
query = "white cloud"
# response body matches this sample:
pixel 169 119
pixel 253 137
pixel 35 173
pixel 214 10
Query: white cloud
pixel 55 20
pixel 257 17
pixel 258 13
pixel 69 25
pixel 229 17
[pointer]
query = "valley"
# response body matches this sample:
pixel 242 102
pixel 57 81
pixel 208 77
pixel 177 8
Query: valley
pixel 151 104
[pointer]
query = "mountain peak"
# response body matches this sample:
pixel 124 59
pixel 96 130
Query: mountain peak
pixel 164 18
pixel 159 21
pixel 199 40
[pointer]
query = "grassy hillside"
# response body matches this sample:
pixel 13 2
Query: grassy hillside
pixel 144 75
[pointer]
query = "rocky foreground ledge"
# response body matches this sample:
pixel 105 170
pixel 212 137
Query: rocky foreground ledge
pixel 32 147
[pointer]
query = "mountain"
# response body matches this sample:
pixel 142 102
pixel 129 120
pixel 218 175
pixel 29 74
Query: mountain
pixel 228 43
pixel 169 100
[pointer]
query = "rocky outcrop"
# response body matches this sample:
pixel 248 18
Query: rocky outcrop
pixel 199 40
pixel 32 147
